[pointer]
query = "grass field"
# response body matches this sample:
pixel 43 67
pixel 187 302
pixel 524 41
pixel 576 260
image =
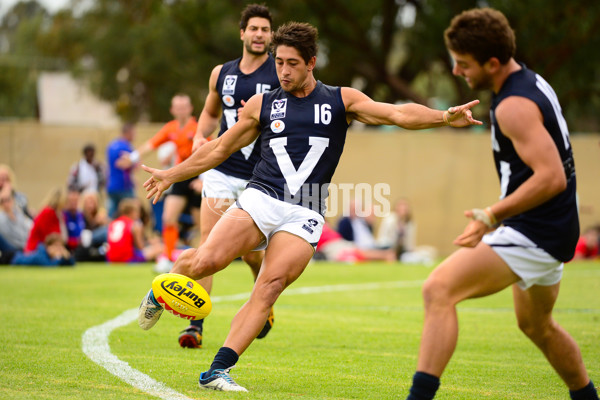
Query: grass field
pixel 353 335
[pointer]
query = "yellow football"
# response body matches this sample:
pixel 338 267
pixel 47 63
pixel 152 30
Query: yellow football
pixel 181 296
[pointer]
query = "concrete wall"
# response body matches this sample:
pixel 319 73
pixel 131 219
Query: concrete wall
pixel 442 172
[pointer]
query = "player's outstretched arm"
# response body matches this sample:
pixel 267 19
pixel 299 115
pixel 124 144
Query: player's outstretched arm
pixel 208 156
pixel 409 116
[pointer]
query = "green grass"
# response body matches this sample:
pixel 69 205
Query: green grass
pixel 335 345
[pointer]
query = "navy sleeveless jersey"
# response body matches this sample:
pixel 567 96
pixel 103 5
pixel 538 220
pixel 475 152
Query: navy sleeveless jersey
pixel 553 225
pixel 234 86
pixel 302 142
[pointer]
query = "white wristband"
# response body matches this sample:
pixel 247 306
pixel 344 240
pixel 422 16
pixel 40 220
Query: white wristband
pixel 134 156
pixel 481 215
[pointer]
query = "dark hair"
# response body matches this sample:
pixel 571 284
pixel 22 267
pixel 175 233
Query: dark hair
pixel 128 206
pixel 52 238
pixel 89 147
pixel 127 127
pixel 299 35
pixel 483 33
pixel 254 10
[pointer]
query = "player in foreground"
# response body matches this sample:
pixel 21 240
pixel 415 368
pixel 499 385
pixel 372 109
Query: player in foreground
pixel 303 126
pixel 538 210
pixel 230 85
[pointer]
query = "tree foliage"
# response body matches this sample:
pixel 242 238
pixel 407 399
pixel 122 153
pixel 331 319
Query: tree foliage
pixel 138 53
pixel 18 67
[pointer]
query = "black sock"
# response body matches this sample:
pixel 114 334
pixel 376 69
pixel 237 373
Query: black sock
pixel 224 359
pixel 197 323
pixel 586 393
pixel 424 386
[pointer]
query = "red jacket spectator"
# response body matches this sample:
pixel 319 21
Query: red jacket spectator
pixel 46 222
pixel 587 246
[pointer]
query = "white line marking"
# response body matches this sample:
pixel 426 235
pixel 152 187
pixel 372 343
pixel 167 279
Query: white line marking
pixel 95 340
pixel 95 346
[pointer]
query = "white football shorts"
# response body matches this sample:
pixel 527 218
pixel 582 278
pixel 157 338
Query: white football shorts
pixel 218 185
pixel 272 215
pixel 532 264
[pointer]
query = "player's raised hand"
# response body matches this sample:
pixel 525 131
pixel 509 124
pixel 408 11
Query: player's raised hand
pixel 156 184
pixel 459 116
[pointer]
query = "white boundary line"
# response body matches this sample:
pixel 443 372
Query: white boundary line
pixel 94 341
pixel 95 346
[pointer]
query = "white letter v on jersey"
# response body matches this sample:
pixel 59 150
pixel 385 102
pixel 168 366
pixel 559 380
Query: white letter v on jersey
pixel 295 178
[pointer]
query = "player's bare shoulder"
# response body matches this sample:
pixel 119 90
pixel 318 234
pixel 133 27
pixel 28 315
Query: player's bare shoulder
pixel 353 100
pixel 252 107
pixel 351 96
pixel 214 77
pixel 517 115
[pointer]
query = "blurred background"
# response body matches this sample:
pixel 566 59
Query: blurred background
pixel 72 71
pixel 137 53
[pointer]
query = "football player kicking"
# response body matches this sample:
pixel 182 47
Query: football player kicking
pixel 303 126
pixel 230 85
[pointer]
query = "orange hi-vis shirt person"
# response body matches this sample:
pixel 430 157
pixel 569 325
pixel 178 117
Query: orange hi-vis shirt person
pixel 183 137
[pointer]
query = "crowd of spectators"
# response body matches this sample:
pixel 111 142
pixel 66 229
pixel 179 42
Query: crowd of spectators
pixel 357 239
pixel 73 225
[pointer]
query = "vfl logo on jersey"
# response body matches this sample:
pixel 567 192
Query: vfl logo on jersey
pixel 228 100
pixel 277 126
pixel 278 109
pixel 229 84
pixel 308 227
